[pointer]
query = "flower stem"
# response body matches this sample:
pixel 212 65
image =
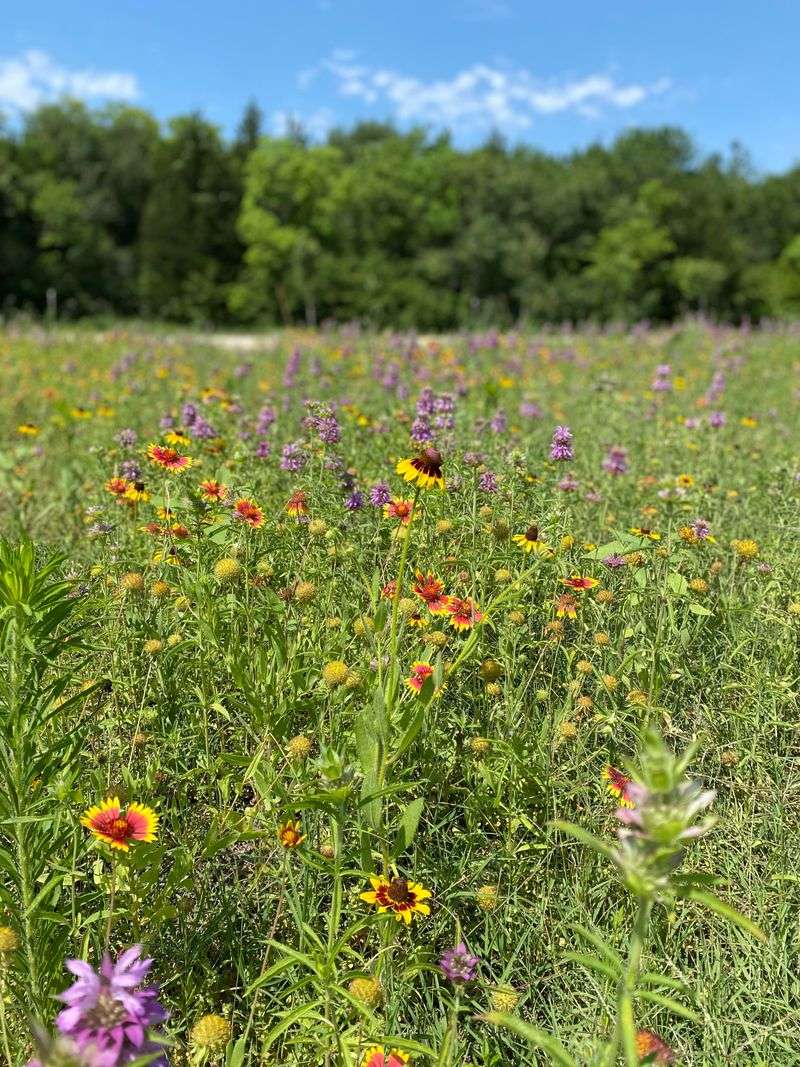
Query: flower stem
pixel 625 1029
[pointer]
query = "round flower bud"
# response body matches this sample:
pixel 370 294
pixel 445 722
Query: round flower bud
pixel 368 990
pixel 601 638
pixel 444 526
pixel 132 582
pixel 583 666
pixel 159 589
pixel 210 1034
pixel 335 673
pixel 567 730
pixel 152 646
pixel 479 746
pixel 486 897
pixel 9 942
pixel 407 605
pixel 494 689
pixel 227 569
pixel 317 528
pixel 491 670
pixel 298 748
pixel 698 585
pixel 604 596
pixel 265 568
pixel 305 592
pixel 502 575
pixel 516 617
pixel 504 998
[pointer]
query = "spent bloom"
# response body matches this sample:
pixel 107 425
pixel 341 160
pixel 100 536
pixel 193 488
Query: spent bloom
pixel 109 1015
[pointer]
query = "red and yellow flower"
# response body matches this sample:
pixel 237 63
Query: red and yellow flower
pixel 464 614
pixel 424 470
pixel 431 590
pixel 212 491
pixel 109 823
pixel 580 582
pixel 567 605
pixel 618 785
pixel 117 486
pixel 402 898
pixel 248 511
pixel 401 509
pixel 651 1049
pixel 377 1056
pixel 170 459
pixel 529 542
pixel 419 673
pixel 297 504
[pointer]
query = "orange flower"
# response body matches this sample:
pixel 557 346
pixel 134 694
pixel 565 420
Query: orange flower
pixel 401 509
pixel 651 1048
pixel 419 673
pixel 117 486
pixel 566 604
pixel 297 504
pixel 248 512
pixel 580 582
pixel 378 1056
pixel 463 613
pixel 107 822
pixel 212 491
pixel 289 834
pixel 431 590
pixel 168 458
pixel 389 591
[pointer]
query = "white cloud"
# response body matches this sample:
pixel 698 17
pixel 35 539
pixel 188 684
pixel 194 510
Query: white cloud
pixel 33 78
pixel 483 95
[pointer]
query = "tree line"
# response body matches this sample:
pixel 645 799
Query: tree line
pixel 110 213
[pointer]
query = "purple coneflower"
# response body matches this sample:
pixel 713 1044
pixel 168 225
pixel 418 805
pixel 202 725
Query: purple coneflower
pixel 561 445
pixel 108 1014
pixel 458 964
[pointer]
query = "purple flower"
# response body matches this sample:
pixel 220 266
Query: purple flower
pixel 568 484
pixel 201 429
pixel 266 417
pixel 421 429
pixel 127 438
pixel 458 964
pixel 691 423
pixel 263 449
pixel 292 457
pixel 474 459
pixel 242 370
pixel 328 430
pixel 380 494
pixel 616 461
pixel 499 422
pixel 130 469
pixel 717 419
pixel 167 422
pixel 701 528
pixel 189 414
pixel 108 1014
pixel 426 404
pixel 355 501
pixel 488 482
pixel 291 369
pixel 530 410
pixel 561 445
pixel 613 561
pixel 661 385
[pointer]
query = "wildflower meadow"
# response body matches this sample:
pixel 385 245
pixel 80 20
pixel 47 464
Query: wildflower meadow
pixel 373 700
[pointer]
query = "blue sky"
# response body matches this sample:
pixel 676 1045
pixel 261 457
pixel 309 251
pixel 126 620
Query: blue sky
pixel 557 75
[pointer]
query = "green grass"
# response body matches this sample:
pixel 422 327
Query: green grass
pixel 199 727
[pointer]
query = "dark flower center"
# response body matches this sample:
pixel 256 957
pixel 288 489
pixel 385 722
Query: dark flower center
pixel 106 1013
pixel 532 533
pixel 398 891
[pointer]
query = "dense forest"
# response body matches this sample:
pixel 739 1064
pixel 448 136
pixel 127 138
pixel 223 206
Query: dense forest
pixel 104 212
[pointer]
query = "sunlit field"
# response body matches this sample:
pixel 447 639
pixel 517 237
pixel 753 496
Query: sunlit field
pixel 377 688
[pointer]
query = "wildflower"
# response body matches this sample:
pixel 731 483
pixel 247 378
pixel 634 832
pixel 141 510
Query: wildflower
pixel 152 646
pixel 613 561
pixel 698 585
pixel 379 495
pixel 616 461
pixel 211 1033
pixel 486 898
pixel 108 1014
pixel 212 491
pixel 684 481
pixel 9 941
pixel 458 964
pixel 401 509
pixel 419 673
pixel 247 511
pixel 437 639
pixel 601 638
pixel 317 528
pixel 491 670
pixel 651 1049
pixel 717 419
pixel 504 998
pixel 354 502
pixel 389 591
pixel 335 673
pixel 424 470
pixel 463 613
pixel 297 504
pixel 168 458
pixel 298 747
pixel 368 990
pixel 561 445
pixel 610 681
pixel 403 898
pixel 293 458
pixel 108 823
pixel 584 703
pixel 479 746
pixel 488 483
pixel 637 698
pixel 746 549
pixel 132 582
pixel 137 493
pixel 580 582
pixel 568 730
pixel 377 1056
pixel 227 569
pixel 28 429
pixel 530 542
pixel 566 604
pixel 501 576
pixel 289 834
pixel 618 785
pixel 117 486
pixel 444 526
pixel 305 592
pixel 645 532
pixel 430 589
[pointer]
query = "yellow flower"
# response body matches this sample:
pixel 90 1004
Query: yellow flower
pixel 226 569
pixel 335 673
pixel 746 549
pixel 368 990
pixel 424 470
pixel 486 897
pixel 298 748
pixel 210 1034
pixel 9 942
pixel 289 834
pixel 402 898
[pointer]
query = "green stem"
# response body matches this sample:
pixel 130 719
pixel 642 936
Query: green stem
pixel 26 895
pixel 625 1028
pixel 112 895
pixel 3 1027
pixel 448 1045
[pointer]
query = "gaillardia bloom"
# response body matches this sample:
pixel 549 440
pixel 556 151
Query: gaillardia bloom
pixel 567 605
pixel 290 835
pixel 297 504
pixel 431 590
pixel 419 673
pixel 529 542
pixel 248 511
pixel 212 491
pixel 401 509
pixel 404 899
pixel 377 1056
pixel 168 458
pixel 580 582
pixel 424 470
pixel 463 613
pixel 107 822
pixel 117 486
pixel 651 1049
pixel 645 532
pixel 619 786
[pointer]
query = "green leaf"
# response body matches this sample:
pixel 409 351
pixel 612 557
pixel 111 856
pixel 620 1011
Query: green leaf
pixel 584 837
pixel 595 939
pixel 534 1036
pixel 668 1003
pixel 713 902
pixel 593 963
pixel 409 821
